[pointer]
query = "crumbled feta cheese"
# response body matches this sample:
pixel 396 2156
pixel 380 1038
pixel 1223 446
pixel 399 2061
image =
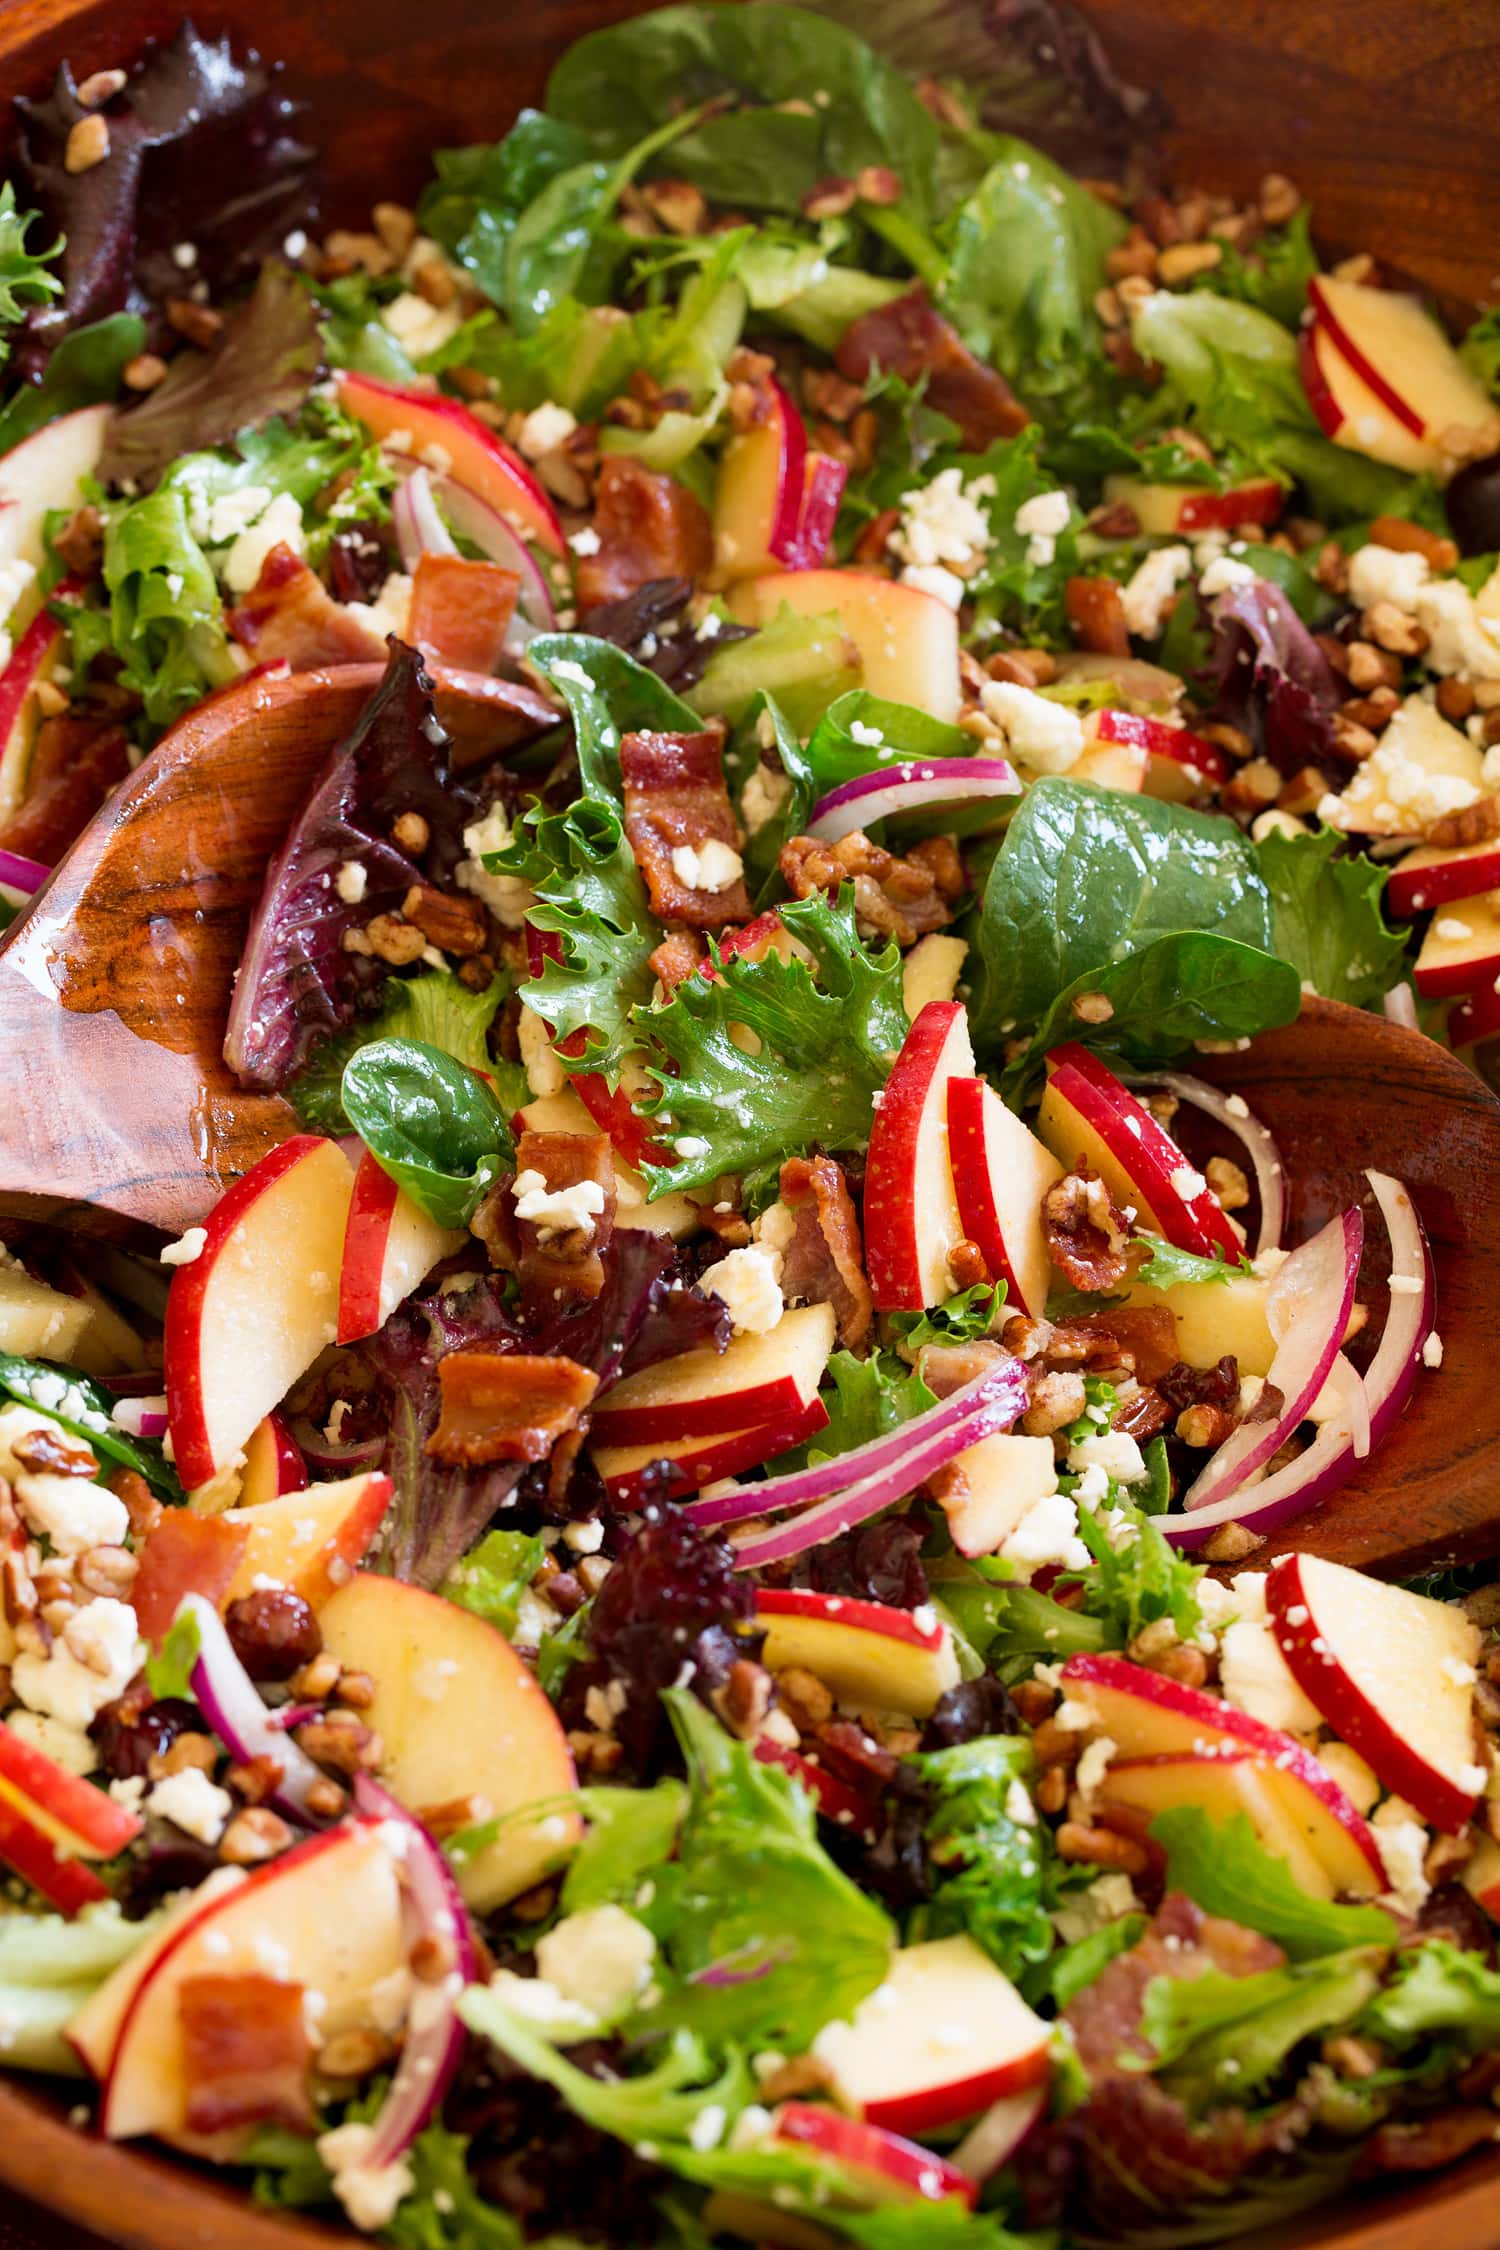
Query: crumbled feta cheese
pixel 748 1282
pixel 1400 793
pixel 545 428
pixel 1091 1767
pixel 1432 1350
pixel 599 1959
pixel 936 579
pixel 763 797
pixel 279 526
pixel 1047 1533
pixel 1113 1451
pixel 711 866
pixel 1401 1840
pixel 538 2000
pixel 369 2193
pixel 1106 1900
pixel 1041 521
pixel 1187 1182
pixel 1451 930
pixel 544 1073
pixel 418 327
pixel 508 897
pixel 586 541
pixel 67 1746
pixel 390 612
pixel 215 519
pixel 558 1210
pixel 72 1513
pixel 1386 574
pixel 185 1249
pixel 1044 735
pixel 942 522
pixel 89 1666
pixel 352 881
pixel 584 1538
pixel 1460 639
pixel 1349 1770
pixel 1151 586
pixel 1020 1807
pixel 1254 1676
pixel 1223 573
pixel 192 1802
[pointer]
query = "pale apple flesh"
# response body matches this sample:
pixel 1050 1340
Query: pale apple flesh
pixel 1392 343
pixel 1222 1786
pixel 912 1220
pixel 1172 509
pixel 1001 1172
pixel 907 640
pixel 755 1378
pixel 427 425
pixel 390 1245
pixel 94 2029
pixel 1215 1317
pixel 1461 950
pixel 1433 874
pixel 37 1322
pixel 1351 413
pixel 1093 1123
pixel 311 1539
pixel 988 1488
pixel 872 1656
pixel 273 1463
pixel 460 1717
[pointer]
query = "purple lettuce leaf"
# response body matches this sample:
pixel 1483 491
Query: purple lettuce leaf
pixel 296 983
pixel 1270 678
pixel 202 150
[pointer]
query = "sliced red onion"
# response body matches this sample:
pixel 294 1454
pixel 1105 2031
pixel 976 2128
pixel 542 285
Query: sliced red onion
pixel 473 519
pixel 419 529
pixel 1343 1400
pixel 141 1417
pixel 1331 1460
pixel 915 785
pixel 990 2143
pixel 1308 1307
pixel 732 1503
pixel 1003 1403
pixel 434 2043
pixel 288 1716
pixel 1400 1006
pixel 231 1703
pixel 331 1460
pixel 1234 1114
pixel 21 874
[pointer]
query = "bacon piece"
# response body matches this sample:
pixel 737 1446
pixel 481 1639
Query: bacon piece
pixel 823 1264
pixel 675 795
pixel 74 765
pixel 506 1406
pixel 910 338
pixel 649 526
pixel 901 898
pixel 1087 1239
pixel 461 611
pixel 1426 2144
pixel 184 1554
pixel 290 613
pixel 245 2053
pixel 1097 616
pixel 1181 1942
pixel 676 959
pixel 566 1261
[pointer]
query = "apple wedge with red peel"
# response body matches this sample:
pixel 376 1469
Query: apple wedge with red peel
pixel 703 1460
pixel 1172 510
pixel 390 1245
pixel 888 2168
pixel 460 1716
pixel 988 2146
pixel 907 640
pixel 1221 1784
pixel 759 496
pixel 989 1487
pixel 1461 950
pixel 36 656
pixel 676 1215
pixel 94 2029
pixel 823 491
pixel 426 425
pixel 1476 1016
pixel 1397 349
pixel 754 1379
pixel 1393 1675
pixel 329 1913
pixel 1113 765
pixel 1351 413
pixel 1180 764
pixel 1000 1173
pixel 835 1799
pixel 1149 1716
pixel 45 472
pixel 273 1463
pixel 1093 1123
pixel 52 1822
pixel 946 2035
pixel 1433 876
pixel 870 1654
pixel 912 1222
pixel 311 1539
pixel 1480 1876
pixel 253 1310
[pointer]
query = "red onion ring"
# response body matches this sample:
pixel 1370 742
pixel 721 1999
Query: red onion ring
pixel 1254 1138
pixel 141 1417
pixel 21 874
pixel 231 1703
pixel 422 528
pixel 419 529
pixel 1400 1006
pixel 913 785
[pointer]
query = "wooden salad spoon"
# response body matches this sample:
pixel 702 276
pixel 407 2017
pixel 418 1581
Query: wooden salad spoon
pixel 114 988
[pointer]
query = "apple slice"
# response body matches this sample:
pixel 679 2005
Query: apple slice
pixel 872 1656
pixel 912 1222
pixel 989 2145
pixel 907 640
pixel 1001 1172
pixel 1432 876
pixel 931 970
pixel 988 1488
pixel 754 1379
pixel 1150 1716
pixel 1180 764
pixel 45 472
pixel 447 437
pixel 835 1799
pixel 52 1821
pixel 703 1460
pixel 1392 1674
pixel 1089 1119
pixel 36 656
pixel 256 1306
pixel 760 490
pixel 94 2029
pixel 327 1914
pixel 37 1322
pixel 944 2036
pixel 1480 1876
pixel 1461 951
pixel 1392 343
pixel 1419 735
pixel 1215 1317
pixel 460 1717
pixel 311 1538
pixel 1476 1016
pixel 1169 510
pixel 888 2168
pixel 390 1244
pixel 1113 765
pixel 273 1463
pixel 1221 1784
pixel 1351 413
pixel 673 1214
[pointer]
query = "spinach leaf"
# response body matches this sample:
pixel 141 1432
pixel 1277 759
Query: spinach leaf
pixel 479 194
pixel 430 1123
pixel 862 733
pixel 608 694
pixel 84 1408
pixel 86 367
pixel 434 1008
pixel 1326 904
pixel 1027 260
pixel 1190 985
pixel 1226 1870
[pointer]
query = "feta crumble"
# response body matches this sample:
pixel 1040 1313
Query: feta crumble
pixel 508 897
pixel 1151 586
pixel 545 428
pixel 1044 735
pixel 185 1249
pixel 193 1803
pixel 711 866
pixel 279 526
pixel 600 1959
pixel 557 1210
pixel 748 1281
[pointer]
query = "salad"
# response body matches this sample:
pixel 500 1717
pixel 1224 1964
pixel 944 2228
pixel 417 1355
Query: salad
pixel 662 1626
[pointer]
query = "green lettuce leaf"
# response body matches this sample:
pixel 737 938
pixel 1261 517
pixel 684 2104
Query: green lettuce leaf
pixel 1168 1267
pixel 432 1007
pixel 1437 1991
pixel 1326 908
pixel 169 1672
pixel 589 894
pixel 493 1577
pixel 990 1868
pixel 1220 2037
pixel 1136 1577
pixel 1227 1871
pixel 25 278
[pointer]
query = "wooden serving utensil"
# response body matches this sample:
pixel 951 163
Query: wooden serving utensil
pixel 114 989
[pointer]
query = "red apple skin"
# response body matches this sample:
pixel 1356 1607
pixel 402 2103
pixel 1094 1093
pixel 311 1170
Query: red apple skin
pixel 701 1417
pixel 1438 1799
pixel 317 1577
pixel 384 408
pixel 723 1456
pixel 839 1609
pixel 1179 744
pixel 1329 413
pixel 1476 1016
pixel 1456 978
pixel 68 1884
pixel 912 2170
pixel 835 1799
pixel 823 490
pixel 1148 1157
pixel 893 1248
pixel 973 1170
pixel 370 1209
pixel 932 2107
pixel 101 1826
pixel 273 1464
pixel 1118 1674
pixel 1342 341
pixel 1261 502
pixel 1463 874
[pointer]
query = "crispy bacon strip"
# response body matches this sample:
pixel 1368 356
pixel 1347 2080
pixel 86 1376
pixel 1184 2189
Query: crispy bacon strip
pixel 245 2053
pixel 290 613
pixel 1147 1332
pixel 184 1554
pixel 1181 1941
pixel 506 1406
pixel 461 610
pixel 823 1264
pixel 909 338
pixel 649 526
pixel 74 765
pixel 676 959
pixel 570 1260
pixel 675 795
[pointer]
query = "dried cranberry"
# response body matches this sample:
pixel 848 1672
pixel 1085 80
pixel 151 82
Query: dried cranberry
pixel 1452 1914
pixel 273 1632
pixel 170 1861
pixel 133 1730
pixel 1183 1386
pixel 896 1867
pixel 878 1562
pixel 973 1708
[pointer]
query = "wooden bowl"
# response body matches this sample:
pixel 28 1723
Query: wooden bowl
pixel 1383 114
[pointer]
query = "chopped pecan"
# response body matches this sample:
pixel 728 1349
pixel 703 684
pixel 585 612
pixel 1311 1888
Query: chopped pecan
pixel 676 958
pixel 677 813
pixel 1473 824
pixel 1097 615
pixel 54 1453
pixel 1057 1398
pixel 823 1263
pixel 80 542
pixel 507 1406
pixel 1143 1415
pixel 893 897
pixel 454 925
pixel 1087 1238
